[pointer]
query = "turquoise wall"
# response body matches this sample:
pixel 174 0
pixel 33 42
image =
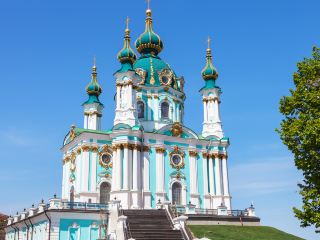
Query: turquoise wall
pixel 83 231
pixel 200 179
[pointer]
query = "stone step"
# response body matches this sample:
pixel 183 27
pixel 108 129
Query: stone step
pixel 150 224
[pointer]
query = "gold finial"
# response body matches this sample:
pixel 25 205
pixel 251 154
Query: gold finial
pixel 209 42
pixel 148 9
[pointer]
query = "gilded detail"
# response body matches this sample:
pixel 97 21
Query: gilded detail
pixel 176 129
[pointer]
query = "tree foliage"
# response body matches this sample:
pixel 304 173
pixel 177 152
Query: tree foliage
pixel 300 132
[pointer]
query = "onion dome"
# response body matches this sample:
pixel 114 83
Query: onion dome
pixel 126 54
pixel 209 72
pixel 149 42
pixel 93 89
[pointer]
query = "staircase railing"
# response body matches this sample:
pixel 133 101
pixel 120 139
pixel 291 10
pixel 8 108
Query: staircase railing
pixel 125 225
pixel 174 212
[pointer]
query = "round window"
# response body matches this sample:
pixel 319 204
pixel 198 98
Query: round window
pixel 165 80
pixel 105 159
pixel 176 159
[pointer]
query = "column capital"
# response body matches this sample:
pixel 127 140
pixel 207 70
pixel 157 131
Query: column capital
pixel 85 147
pixel 126 145
pixel 95 148
pixel 160 149
pixel 146 148
pixel 205 154
pixel 223 156
pixel 215 155
pixel 193 153
pixel 136 147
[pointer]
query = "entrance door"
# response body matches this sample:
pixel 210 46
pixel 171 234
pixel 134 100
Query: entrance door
pixel 176 193
pixel 105 189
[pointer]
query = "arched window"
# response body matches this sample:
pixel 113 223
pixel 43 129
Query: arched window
pixel 176 193
pixel 71 194
pixel 140 108
pixel 105 192
pixel 164 110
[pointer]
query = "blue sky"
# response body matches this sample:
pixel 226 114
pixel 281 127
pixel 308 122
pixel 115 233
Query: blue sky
pixel 46 52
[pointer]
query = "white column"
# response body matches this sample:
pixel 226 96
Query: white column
pixel 216 110
pixel 129 91
pixel 160 173
pixel 217 173
pixel 139 169
pixel 84 170
pixel 205 173
pixel 211 176
pixel 114 169
pixel 119 167
pixel 85 122
pixel 118 96
pixel 146 165
pixel 156 108
pixel 130 174
pixel 125 167
pixel 225 176
pixel 93 168
pixel 193 172
pixel 205 116
pixel 149 103
pixel 135 169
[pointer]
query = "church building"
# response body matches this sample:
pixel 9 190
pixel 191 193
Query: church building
pixel 149 154
pixel 148 158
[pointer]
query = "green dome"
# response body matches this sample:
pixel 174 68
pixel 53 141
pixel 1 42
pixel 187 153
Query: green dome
pixel 149 42
pixel 126 54
pixel 155 68
pixel 93 87
pixel 209 72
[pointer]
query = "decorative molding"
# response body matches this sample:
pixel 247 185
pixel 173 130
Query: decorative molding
pixel 142 74
pixel 177 151
pixel 176 129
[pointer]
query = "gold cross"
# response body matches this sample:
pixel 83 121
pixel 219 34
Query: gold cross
pixel 209 42
pixel 94 61
pixel 148 3
pixel 127 22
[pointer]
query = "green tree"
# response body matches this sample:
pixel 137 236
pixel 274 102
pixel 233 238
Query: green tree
pixel 300 132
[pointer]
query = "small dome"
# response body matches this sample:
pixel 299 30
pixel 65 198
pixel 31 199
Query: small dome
pixel 126 54
pixel 149 42
pixel 209 72
pixel 93 87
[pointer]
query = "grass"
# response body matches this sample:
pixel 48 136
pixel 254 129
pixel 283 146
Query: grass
pixel 240 233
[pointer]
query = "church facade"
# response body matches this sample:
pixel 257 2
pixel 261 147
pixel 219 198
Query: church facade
pixel 148 155
pixel 148 159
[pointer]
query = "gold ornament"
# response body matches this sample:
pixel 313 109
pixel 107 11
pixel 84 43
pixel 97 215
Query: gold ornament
pixel 176 129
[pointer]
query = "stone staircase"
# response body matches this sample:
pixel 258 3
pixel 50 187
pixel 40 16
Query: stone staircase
pixel 150 224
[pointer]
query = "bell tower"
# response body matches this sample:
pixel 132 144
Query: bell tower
pixel 125 81
pixel 212 125
pixel 93 107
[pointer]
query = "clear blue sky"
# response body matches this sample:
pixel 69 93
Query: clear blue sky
pixel 46 51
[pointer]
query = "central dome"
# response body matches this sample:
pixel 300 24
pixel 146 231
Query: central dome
pixel 149 42
pixel 155 71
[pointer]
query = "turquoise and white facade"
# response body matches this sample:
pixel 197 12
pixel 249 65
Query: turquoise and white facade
pixel 149 155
